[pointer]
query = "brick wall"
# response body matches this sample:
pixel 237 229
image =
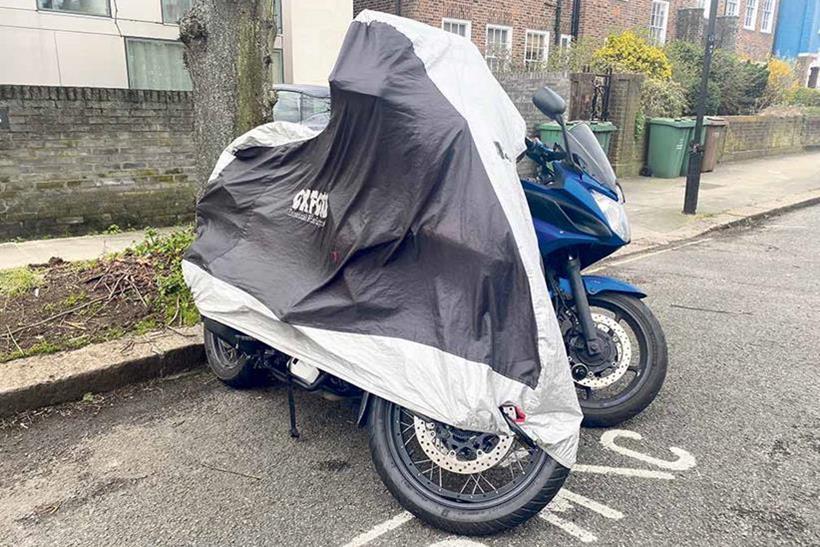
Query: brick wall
pixel 521 87
pixel 600 18
pixel 518 14
pixel 75 160
pixel 750 137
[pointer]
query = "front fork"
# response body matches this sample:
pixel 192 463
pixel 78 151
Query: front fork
pixel 582 311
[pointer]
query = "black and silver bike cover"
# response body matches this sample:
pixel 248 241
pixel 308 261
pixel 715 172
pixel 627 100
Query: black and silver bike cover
pixel 395 248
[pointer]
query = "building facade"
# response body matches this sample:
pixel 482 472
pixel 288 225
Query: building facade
pixel 510 33
pixel 527 31
pixel 798 38
pixel 135 43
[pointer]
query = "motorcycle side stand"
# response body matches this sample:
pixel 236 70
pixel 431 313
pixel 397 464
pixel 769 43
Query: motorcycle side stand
pixel 294 432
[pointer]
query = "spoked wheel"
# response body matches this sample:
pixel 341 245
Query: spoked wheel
pixel 464 482
pixel 625 377
pixel 230 365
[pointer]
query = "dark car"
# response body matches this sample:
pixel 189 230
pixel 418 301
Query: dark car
pixel 308 105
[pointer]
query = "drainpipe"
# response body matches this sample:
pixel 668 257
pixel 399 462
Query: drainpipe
pixel 576 18
pixel 557 38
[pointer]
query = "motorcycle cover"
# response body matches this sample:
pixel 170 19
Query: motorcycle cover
pixel 394 249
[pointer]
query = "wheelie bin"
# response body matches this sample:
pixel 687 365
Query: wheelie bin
pixel 715 137
pixel 603 132
pixel 550 133
pixel 668 139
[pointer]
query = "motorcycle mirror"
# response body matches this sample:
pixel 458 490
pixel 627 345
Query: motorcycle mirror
pixel 549 102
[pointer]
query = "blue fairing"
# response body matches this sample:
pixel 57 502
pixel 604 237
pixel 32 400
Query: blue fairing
pixel 596 284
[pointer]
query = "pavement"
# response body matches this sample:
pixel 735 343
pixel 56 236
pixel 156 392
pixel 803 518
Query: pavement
pixel 726 455
pixel 735 191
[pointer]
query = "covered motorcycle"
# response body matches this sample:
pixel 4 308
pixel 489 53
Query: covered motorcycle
pixel 395 251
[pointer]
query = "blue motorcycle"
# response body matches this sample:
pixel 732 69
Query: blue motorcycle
pixel 616 347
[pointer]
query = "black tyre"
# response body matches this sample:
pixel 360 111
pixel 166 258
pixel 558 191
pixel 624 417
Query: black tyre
pixel 230 365
pixel 622 383
pixel 473 500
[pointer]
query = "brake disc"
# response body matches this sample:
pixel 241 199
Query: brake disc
pixel 447 459
pixel 623 347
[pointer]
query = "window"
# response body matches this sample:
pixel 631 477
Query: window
pixel 536 49
pixel 566 41
pixel 278 67
pixel 751 15
pixel 657 21
pixel 173 10
pixel 766 15
pixel 731 7
pixel 277 15
pixel 706 5
pixel 87 7
pixel 499 46
pixel 156 64
pixel 457 26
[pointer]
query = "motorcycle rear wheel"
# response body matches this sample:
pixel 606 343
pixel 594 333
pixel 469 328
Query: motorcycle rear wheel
pixel 233 367
pixel 478 509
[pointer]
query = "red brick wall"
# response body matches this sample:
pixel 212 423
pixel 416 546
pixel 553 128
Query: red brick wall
pixel 518 14
pixel 600 18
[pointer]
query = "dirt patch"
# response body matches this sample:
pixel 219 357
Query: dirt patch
pixel 78 304
pixel 61 305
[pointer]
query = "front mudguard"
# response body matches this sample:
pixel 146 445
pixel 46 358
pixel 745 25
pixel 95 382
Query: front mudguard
pixel 597 284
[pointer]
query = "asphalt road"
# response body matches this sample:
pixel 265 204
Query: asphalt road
pixel 728 454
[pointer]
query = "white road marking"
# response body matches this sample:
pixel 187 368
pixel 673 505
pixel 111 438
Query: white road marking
pixel 685 459
pixel 571 528
pixel 623 471
pixel 455 541
pixel 629 259
pixel 380 530
pixel 592 505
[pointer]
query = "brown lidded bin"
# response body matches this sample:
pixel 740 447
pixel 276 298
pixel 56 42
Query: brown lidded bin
pixel 715 136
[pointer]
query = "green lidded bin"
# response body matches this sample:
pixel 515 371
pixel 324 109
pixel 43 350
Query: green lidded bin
pixel 668 139
pixel 603 132
pixel 550 133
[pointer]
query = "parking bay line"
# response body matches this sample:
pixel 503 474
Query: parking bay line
pixel 380 530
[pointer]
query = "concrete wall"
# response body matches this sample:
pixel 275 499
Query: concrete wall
pixel 313 33
pixel 75 160
pixel 750 137
pixel 66 49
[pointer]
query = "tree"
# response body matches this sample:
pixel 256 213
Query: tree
pixel 228 47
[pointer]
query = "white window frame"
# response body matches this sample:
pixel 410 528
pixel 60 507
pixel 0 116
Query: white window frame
pixel 767 29
pixel 665 26
pixel 72 12
pixel 566 41
pixel 706 5
pixel 545 34
pixel 487 55
pixel 734 12
pixel 755 5
pixel 467 24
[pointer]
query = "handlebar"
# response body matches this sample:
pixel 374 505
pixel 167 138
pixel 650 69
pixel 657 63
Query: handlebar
pixel 540 153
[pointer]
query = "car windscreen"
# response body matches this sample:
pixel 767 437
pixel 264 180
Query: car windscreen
pixel 589 156
pixel 286 108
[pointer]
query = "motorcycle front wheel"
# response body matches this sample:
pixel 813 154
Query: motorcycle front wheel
pixel 463 482
pixel 628 374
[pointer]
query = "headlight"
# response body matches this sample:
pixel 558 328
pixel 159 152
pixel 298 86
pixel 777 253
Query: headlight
pixel 615 214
